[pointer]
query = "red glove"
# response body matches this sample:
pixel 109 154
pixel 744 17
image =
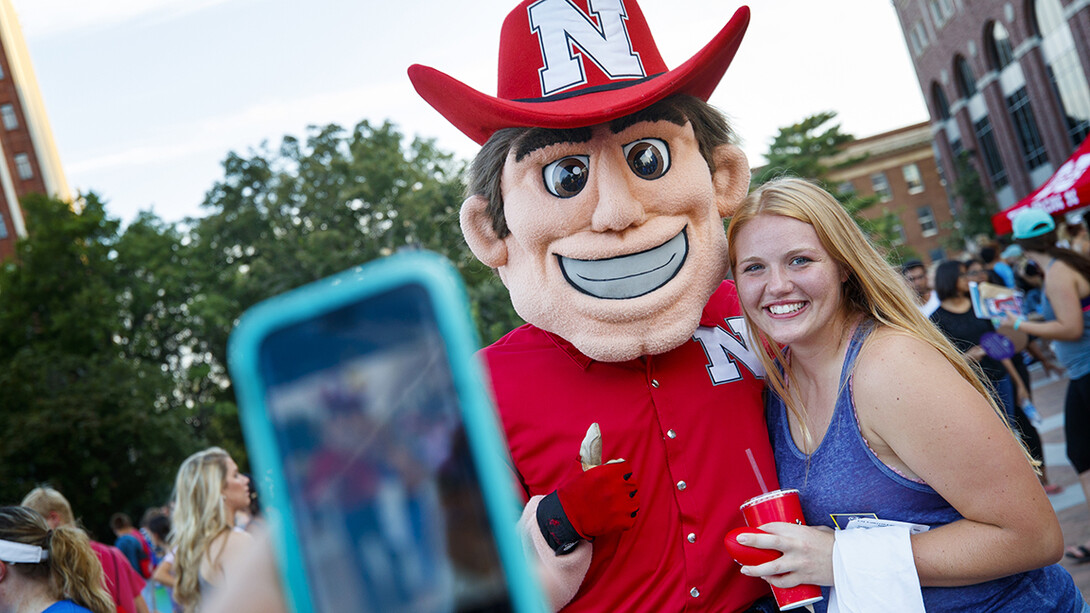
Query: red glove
pixel 599 501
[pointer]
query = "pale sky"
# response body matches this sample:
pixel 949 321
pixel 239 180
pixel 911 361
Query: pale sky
pixel 147 97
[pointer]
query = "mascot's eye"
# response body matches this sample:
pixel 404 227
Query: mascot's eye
pixel 567 177
pixel 649 158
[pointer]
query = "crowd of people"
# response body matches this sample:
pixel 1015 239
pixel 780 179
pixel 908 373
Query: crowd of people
pixel 190 547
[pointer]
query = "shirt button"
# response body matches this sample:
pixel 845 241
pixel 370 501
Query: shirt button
pixel 671 433
pixel 694 592
pixel 681 485
pixel 692 537
pixel 654 383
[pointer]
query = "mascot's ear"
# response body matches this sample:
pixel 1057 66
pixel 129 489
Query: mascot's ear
pixel 731 179
pixel 481 238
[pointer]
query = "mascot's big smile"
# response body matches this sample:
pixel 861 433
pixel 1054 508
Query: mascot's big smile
pixel 627 276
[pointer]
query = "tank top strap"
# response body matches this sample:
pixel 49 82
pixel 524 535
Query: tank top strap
pixel 859 334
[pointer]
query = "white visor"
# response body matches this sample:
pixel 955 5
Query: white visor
pixel 13 552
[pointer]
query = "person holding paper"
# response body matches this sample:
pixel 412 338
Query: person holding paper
pixel 1066 313
pixel 956 319
pixel 875 415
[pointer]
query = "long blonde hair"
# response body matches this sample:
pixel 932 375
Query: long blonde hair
pixel 872 290
pixel 72 569
pixel 200 515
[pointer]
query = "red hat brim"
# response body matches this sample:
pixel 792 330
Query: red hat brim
pixel 479 115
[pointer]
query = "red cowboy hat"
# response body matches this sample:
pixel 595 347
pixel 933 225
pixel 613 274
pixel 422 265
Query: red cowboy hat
pixel 562 66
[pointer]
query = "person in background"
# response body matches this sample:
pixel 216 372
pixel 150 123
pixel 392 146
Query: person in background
pixel 956 319
pixel 875 413
pixel 123 583
pixel 999 272
pixel 159 529
pixel 1066 320
pixel 47 570
pixel 916 274
pixel 208 491
pixel 132 544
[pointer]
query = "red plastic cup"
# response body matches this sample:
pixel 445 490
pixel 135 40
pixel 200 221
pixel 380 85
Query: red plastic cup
pixel 781 505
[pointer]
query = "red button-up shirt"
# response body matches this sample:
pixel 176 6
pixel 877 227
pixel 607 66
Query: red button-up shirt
pixel 683 419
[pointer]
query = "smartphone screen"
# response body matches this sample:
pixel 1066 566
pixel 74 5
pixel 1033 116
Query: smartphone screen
pixel 385 498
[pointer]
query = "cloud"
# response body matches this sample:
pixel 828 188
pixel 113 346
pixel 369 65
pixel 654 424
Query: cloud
pixel 48 18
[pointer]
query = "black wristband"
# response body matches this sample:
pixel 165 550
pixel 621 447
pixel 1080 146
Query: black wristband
pixel 555 527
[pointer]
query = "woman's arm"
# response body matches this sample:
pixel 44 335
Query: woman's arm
pixel 921 417
pixel 914 404
pixel 163 574
pixel 1062 291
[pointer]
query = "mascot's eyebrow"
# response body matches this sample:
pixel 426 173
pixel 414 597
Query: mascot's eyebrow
pixel 539 138
pixel 663 111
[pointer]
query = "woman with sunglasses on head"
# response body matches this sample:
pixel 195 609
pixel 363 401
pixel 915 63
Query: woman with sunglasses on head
pixel 47 571
pixel 1066 320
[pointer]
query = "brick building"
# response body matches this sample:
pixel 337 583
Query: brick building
pixel 899 167
pixel 30 160
pixel 1005 81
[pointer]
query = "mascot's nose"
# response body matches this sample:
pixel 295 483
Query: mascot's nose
pixel 618 206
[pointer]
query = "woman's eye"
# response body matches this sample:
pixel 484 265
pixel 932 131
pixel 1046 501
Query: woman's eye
pixel 800 259
pixel 649 158
pixel 752 268
pixel 566 177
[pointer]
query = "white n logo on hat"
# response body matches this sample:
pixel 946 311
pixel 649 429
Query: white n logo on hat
pixel 561 26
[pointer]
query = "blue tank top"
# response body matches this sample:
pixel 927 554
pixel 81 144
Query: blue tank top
pixel 1073 355
pixel 844 478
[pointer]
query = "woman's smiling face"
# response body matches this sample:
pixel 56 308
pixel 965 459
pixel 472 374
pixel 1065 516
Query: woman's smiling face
pixel 787 282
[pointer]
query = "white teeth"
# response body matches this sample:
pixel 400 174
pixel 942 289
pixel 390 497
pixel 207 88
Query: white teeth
pixel 784 309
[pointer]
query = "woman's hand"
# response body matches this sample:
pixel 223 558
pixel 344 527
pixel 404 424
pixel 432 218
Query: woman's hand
pixel 807 554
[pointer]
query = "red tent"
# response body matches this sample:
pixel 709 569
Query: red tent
pixel 1068 188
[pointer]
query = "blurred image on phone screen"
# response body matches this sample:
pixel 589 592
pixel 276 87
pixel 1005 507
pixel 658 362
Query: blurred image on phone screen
pixel 383 491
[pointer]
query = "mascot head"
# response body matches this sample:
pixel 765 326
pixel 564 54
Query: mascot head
pixel 600 190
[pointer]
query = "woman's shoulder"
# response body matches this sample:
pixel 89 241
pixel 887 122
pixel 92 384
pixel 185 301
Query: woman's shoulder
pixel 889 357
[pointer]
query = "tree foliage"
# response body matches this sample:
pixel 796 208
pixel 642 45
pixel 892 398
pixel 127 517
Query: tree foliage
pixel 977 205
pixel 113 340
pixel 811 149
pixel 81 407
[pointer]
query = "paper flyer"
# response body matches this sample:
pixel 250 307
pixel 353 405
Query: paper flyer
pixel 992 301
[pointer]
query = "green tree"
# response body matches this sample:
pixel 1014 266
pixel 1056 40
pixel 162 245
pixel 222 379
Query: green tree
pixel 82 407
pixel 977 205
pixel 280 219
pixel 813 149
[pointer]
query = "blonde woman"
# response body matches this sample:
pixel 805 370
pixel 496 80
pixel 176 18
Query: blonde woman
pixel 207 493
pixel 123 583
pixel 47 571
pixel 875 413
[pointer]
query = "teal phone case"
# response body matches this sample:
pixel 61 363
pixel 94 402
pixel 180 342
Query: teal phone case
pixel 447 294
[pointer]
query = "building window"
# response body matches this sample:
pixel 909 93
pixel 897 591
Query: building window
pixel 1025 126
pixel 23 167
pixel 964 77
pixel 937 254
pixel 941 11
pixel 1064 69
pixel 912 178
pixel 3 227
pixel 846 188
pixel 990 152
pixel 928 227
pixel 998 44
pixel 7 114
pixel 881 186
pixel 938 100
pixel 918 37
